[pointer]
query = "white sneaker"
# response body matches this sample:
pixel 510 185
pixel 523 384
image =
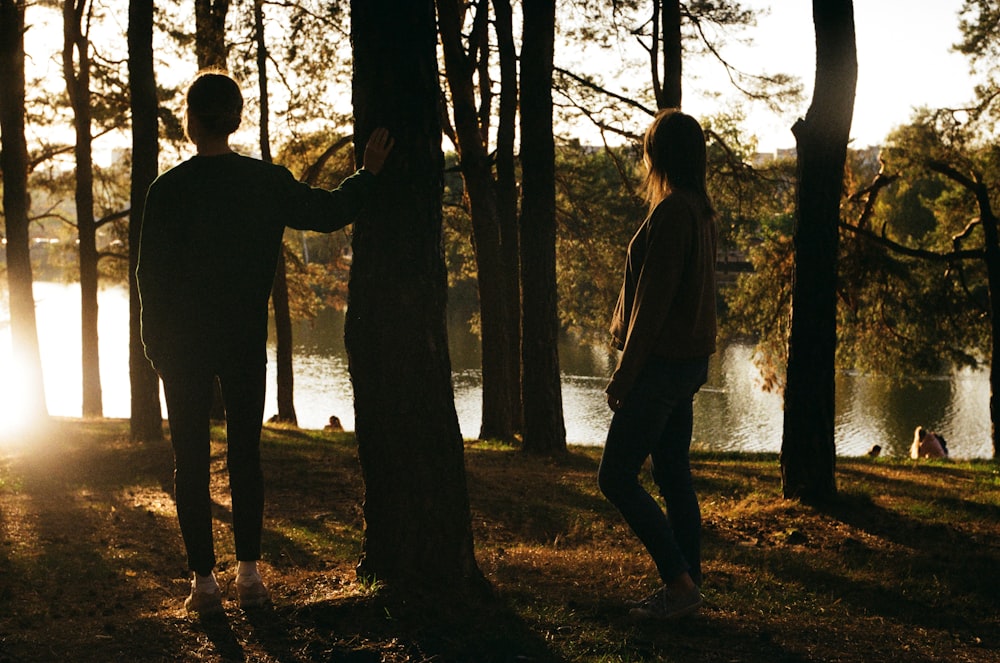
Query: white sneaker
pixel 203 603
pixel 251 591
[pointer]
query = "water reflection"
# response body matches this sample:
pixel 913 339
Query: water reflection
pixel 732 413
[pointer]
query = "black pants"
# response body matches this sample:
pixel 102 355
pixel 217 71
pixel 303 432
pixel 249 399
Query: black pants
pixel 656 421
pixel 189 390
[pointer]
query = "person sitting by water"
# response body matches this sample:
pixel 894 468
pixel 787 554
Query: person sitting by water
pixel 927 444
pixel 334 424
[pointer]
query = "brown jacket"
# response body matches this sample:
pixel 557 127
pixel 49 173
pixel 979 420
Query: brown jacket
pixel 666 307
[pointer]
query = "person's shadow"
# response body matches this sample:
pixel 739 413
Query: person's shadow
pixel 219 631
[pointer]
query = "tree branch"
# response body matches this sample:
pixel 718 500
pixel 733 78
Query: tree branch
pixel 871 192
pixel 951 256
pixel 114 216
pixel 311 173
pixel 597 88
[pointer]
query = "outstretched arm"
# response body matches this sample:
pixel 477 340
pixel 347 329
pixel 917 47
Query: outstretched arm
pixel 325 211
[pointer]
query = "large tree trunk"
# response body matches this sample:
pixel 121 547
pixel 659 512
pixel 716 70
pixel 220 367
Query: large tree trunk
pixel 808 450
pixel 14 167
pixel 544 431
pixel 418 534
pixel 146 420
pixel 210 33
pixel 481 190
pixel 76 69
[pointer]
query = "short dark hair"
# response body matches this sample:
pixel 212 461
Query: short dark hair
pixel 215 99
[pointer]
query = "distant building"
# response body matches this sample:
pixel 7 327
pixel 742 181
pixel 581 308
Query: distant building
pixel 866 155
pixel 761 159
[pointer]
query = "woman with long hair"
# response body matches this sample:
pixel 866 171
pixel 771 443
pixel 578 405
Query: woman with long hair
pixel 664 323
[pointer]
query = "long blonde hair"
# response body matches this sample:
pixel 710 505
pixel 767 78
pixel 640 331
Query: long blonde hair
pixel 676 158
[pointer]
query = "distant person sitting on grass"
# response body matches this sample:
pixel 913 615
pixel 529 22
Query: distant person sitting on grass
pixel 927 444
pixel 208 251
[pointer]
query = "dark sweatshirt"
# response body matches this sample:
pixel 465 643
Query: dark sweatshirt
pixel 208 251
pixel 666 307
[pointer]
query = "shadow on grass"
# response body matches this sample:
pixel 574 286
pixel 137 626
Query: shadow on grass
pixel 384 628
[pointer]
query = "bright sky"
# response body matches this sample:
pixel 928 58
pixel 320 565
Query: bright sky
pixel 904 61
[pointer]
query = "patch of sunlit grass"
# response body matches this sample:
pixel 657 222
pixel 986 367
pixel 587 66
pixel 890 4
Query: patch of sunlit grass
pixel 153 501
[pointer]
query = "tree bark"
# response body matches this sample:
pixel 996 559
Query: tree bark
pixel 285 375
pixel 210 33
pixel 481 191
pixel 284 353
pixel 418 535
pixel 808 450
pixel 76 69
pixel 544 430
pixel 146 419
pixel 507 200
pixel 667 35
pixel 14 167
pixel 993 275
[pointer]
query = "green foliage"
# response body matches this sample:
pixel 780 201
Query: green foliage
pixel 318 264
pixel 597 214
pixel 903 315
pixel 899 314
pixel 756 215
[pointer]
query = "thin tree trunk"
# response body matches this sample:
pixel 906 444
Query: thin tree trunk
pixel 481 190
pixel 283 340
pixel 210 33
pixel 668 50
pixel 146 420
pixel 808 449
pixel 993 274
pixel 14 167
pixel 544 430
pixel 418 534
pixel 279 291
pixel 506 185
pixel 76 69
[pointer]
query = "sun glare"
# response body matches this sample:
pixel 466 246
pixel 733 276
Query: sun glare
pixel 15 406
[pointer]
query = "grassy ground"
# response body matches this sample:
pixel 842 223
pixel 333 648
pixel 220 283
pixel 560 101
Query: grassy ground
pixel 904 567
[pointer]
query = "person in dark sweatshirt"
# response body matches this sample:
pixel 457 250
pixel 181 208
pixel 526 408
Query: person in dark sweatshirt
pixel 208 250
pixel 665 326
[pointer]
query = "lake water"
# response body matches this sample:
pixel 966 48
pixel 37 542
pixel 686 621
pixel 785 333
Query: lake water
pixel 732 413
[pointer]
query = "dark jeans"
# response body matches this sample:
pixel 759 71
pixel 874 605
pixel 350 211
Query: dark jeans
pixel 189 391
pixel 655 421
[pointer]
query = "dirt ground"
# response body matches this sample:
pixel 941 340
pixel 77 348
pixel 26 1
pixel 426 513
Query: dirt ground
pixel 905 566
